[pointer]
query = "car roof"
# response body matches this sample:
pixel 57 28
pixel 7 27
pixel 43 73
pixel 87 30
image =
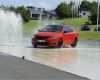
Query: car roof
pixel 54 25
pixel 59 26
pixel 68 28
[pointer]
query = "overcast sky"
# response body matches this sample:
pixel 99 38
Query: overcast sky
pixel 48 4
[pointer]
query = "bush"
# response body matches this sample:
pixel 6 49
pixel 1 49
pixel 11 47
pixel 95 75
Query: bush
pixel 64 10
pixel 93 18
pixel 87 23
pixel 85 28
pixel 97 29
pixel 25 13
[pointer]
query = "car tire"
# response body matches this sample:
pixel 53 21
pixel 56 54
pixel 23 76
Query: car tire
pixel 60 44
pixel 74 44
pixel 35 46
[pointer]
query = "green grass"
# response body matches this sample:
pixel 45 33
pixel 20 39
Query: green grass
pixel 84 35
pixel 89 35
pixel 30 25
pixel 75 22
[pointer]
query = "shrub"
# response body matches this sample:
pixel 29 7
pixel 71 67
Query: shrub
pixel 97 29
pixel 25 13
pixel 63 10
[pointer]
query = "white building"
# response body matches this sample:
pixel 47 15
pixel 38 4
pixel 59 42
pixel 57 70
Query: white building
pixel 84 14
pixel 37 13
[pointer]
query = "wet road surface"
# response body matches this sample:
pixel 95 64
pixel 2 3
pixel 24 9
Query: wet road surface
pixel 13 68
pixel 81 43
pixel 84 62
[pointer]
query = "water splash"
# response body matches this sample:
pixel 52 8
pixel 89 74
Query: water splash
pixel 10 28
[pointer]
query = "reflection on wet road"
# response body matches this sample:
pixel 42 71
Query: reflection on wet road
pixel 81 61
pixel 57 56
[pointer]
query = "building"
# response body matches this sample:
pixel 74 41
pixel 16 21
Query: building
pixel 84 14
pixel 40 13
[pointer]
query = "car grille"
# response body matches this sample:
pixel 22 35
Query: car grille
pixel 41 37
pixel 42 43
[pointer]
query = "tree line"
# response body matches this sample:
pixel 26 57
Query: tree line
pixel 64 10
pixel 23 11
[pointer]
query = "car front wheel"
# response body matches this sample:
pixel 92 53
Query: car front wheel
pixel 74 44
pixel 60 44
pixel 35 46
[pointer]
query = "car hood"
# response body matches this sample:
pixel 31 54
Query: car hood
pixel 48 34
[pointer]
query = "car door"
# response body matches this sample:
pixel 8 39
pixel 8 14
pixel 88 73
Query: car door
pixel 68 35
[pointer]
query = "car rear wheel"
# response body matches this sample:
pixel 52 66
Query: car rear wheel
pixel 74 44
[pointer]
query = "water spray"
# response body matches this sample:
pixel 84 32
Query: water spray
pixel 10 28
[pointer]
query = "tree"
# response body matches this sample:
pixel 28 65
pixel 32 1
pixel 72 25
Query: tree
pixel 63 10
pixel 25 13
pixel 85 5
pixel 93 17
pixel 11 8
pixel 94 6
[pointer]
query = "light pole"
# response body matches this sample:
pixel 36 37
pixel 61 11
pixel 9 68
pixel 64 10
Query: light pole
pixel 72 5
pixel 72 11
pixel 79 3
pixel 97 16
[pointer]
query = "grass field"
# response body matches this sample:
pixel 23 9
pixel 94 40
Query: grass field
pixel 89 35
pixel 30 25
pixel 84 35
pixel 75 22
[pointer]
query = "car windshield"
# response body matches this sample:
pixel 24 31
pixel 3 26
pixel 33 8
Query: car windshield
pixel 52 28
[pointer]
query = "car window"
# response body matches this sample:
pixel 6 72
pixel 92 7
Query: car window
pixel 67 29
pixel 51 28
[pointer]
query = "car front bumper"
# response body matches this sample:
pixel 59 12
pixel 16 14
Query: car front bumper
pixel 50 42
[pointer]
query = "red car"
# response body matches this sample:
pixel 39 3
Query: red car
pixel 55 36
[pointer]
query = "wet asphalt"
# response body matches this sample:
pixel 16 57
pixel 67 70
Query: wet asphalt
pixel 50 64
pixel 14 68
